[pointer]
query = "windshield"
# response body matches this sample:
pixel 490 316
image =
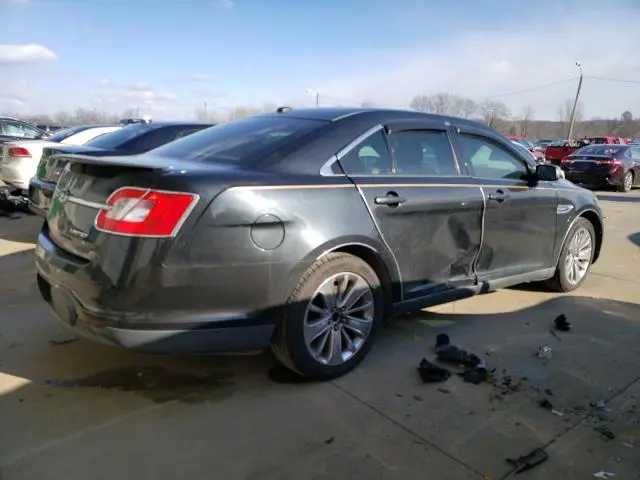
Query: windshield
pixel 114 140
pixel 604 150
pixel 240 140
pixel 65 133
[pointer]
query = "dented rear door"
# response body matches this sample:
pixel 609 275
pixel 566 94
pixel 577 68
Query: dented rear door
pixel 429 217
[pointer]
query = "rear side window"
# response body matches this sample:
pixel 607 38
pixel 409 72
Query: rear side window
pixel 116 139
pixel 241 140
pixel 155 138
pixel 607 150
pixel 423 152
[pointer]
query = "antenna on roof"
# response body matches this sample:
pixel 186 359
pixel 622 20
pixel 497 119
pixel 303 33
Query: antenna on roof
pixel 283 109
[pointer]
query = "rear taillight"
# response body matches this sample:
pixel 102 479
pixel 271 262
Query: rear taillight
pixel 613 162
pixel 140 212
pixel 566 161
pixel 19 152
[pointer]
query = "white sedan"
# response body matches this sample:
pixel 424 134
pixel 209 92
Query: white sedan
pixel 19 159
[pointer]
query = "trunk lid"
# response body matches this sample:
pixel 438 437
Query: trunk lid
pixel 52 163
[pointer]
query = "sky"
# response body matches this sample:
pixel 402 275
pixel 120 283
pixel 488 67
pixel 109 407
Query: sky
pixel 169 57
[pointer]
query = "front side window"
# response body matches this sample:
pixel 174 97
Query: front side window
pixel 369 157
pixel 488 159
pixel 423 152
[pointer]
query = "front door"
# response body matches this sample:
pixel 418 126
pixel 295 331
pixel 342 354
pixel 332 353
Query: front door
pixel 430 220
pixel 520 218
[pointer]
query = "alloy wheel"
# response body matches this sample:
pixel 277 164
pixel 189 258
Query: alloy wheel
pixel 339 318
pixel 578 256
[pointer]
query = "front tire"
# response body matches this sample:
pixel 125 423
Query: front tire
pixel 575 257
pixel 627 183
pixel 331 319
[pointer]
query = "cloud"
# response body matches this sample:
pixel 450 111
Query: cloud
pixel 14 55
pixel 494 61
pixel 18 2
pixel 197 77
pixel 14 94
pixel 141 95
pixel 226 4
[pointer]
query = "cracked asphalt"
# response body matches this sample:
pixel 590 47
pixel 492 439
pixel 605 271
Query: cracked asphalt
pixel 71 409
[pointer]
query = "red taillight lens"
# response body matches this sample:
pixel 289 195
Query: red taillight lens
pixel 145 213
pixel 613 162
pixel 19 152
pixel 566 160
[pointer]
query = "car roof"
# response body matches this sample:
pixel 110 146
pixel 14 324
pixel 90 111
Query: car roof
pixel 334 114
pixel 176 123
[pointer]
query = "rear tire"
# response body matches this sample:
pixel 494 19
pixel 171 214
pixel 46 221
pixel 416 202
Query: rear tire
pixel 575 258
pixel 311 317
pixel 627 183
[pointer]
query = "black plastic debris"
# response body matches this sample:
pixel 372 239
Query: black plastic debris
pixel 11 204
pixel 450 353
pixel 546 404
pixel 430 373
pixel 562 324
pixel 608 434
pixel 476 375
pixel 527 462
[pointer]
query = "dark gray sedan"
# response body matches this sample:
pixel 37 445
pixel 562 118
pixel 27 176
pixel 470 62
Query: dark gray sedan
pixel 304 230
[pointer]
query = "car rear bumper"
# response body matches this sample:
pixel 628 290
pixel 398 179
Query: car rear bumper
pixel 16 174
pixel 166 332
pixel 593 180
pixel 40 194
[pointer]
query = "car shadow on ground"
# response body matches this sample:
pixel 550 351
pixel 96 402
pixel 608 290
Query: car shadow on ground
pixel 619 198
pixel 20 228
pixel 59 379
pixel 635 238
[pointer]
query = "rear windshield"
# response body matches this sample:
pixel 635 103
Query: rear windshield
pixel 115 139
pixel 65 133
pixel 238 141
pixel 605 150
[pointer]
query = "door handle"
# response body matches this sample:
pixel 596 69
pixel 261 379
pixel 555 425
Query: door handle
pixel 498 196
pixel 391 199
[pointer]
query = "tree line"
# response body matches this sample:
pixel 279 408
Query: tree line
pixel 491 112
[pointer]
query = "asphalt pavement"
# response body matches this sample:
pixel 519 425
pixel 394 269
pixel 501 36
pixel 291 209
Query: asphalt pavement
pixel 71 409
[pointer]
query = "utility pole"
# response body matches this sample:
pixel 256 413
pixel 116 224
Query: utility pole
pixel 315 94
pixel 575 103
pixel 205 109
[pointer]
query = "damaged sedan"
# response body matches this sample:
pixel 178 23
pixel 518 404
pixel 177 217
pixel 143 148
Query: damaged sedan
pixel 303 230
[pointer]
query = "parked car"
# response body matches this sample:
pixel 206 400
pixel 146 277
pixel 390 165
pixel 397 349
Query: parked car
pixel 12 129
pixel 50 128
pixel 542 144
pixel 535 156
pixel 604 166
pixel 304 230
pixel 19 159
pixel 128 140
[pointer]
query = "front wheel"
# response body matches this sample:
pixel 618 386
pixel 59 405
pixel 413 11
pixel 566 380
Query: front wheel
pixel 627 183
pixel 575 257
pixel 331 319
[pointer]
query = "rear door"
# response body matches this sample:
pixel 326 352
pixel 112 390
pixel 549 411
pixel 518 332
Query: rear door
pixel 520 218
pixel 428 216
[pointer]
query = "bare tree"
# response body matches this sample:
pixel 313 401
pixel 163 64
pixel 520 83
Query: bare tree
pixel 493 111
pixel 564 113
pixel 467 107
pixel 527 117
pixel 627 117
pixel 422 103
pixel 367 104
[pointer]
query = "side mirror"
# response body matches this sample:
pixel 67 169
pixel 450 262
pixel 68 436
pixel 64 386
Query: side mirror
pixel 548 173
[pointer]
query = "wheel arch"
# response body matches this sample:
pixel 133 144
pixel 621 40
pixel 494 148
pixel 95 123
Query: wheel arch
pixel 598 227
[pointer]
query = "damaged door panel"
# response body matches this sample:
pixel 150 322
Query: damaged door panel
pixel 430 217
pixel 520 216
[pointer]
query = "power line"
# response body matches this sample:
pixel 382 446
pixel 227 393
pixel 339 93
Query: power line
pixel 533 89
pixel 606 79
